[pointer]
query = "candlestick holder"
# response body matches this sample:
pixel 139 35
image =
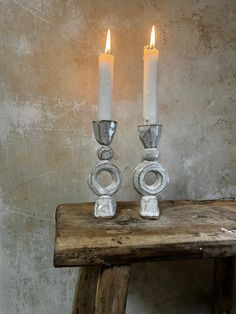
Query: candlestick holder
pixel 105 206
pixel 150 137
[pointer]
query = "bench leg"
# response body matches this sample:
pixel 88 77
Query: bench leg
pixel 84 301
pixel 223 285
pixel 112 289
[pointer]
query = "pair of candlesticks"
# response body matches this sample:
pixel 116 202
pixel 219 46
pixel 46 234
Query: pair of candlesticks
pixel 105 206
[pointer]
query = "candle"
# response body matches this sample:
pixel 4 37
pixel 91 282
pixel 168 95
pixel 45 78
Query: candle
pixel 150 61
pixel 106 61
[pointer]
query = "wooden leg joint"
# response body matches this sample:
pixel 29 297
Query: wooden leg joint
pixel 102 290
pixel 223 285
pixel 112 289
pixel 85 294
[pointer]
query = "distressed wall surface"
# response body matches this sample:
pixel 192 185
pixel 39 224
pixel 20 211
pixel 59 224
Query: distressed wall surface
pixel 48 98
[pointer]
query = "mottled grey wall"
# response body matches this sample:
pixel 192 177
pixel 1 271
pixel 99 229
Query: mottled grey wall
pixel 49 75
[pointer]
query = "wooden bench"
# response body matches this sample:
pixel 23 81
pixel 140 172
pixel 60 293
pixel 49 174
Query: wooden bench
pixel 106 247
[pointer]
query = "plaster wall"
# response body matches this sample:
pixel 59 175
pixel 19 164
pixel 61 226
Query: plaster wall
pixel 49 73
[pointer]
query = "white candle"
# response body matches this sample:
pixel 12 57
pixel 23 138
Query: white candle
pixel 150 61
pixel 106 61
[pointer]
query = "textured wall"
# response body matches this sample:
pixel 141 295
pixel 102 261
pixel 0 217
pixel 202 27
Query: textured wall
pixel 48 98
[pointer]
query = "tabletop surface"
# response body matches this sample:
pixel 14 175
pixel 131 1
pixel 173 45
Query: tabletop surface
pixel 185 229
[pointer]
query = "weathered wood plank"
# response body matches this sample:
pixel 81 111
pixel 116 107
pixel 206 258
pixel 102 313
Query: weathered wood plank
pixel 85 293
pixel 186 229
pixel 223 285
pixel 112 290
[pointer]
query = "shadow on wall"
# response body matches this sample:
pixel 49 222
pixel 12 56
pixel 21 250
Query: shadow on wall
pixel 171 287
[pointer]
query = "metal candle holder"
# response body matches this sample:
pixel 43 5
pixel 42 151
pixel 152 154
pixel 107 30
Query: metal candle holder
pixel 150 137
pixel 105 206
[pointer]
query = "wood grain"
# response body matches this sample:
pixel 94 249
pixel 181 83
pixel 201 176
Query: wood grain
pixel 85 292
pixel 112 290
pixel 186 229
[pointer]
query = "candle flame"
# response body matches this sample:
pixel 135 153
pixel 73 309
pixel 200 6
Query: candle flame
pixel 152 38
pixel 108 42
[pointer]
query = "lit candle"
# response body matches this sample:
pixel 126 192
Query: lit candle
pixel 106 61
pixel 150 60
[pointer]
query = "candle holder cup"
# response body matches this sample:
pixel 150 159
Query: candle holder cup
pixel 105 206
pixel 150 137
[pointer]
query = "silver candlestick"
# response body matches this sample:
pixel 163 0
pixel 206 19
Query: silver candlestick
pixel 105 206
pixel 150 137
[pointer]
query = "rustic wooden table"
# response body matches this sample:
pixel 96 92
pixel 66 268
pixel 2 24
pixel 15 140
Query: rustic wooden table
pixel 106 247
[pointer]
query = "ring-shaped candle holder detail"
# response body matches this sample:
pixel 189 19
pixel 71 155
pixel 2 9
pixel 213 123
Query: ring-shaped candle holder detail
pixel 113 187
pixel 145 168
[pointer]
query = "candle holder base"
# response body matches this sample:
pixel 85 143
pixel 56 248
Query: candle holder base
pixel 105 207
pixel 149 207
